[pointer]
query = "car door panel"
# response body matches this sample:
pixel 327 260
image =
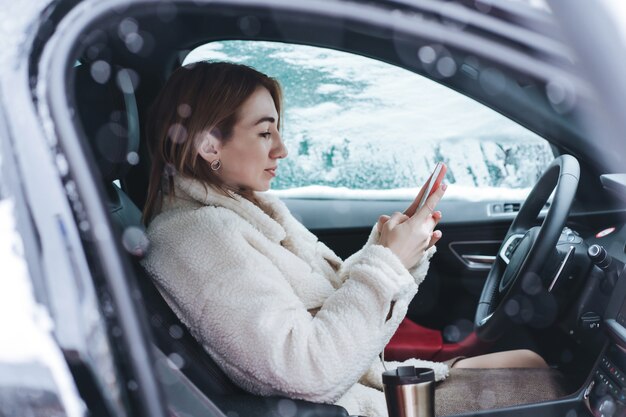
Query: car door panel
pixel 451 290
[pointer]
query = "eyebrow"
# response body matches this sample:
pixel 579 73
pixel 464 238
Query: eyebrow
pixel 265 119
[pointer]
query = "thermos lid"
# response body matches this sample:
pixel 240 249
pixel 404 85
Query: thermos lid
pixel 404 375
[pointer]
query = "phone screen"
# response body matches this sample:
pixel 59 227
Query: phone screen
pixel 433 182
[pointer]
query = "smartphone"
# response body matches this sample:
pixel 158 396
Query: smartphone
pixel 433 182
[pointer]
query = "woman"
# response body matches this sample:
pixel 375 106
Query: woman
pixel 273 306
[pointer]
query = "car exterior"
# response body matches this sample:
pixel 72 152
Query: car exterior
pixel 77 337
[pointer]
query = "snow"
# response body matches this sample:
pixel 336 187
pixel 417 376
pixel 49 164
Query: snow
pixel 25 334
pixel 354 123
pixel 16 18
pixel 454 192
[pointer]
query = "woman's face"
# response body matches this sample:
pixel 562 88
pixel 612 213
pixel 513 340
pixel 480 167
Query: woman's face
pixel 250 157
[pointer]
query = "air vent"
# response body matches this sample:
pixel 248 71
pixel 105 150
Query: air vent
pixel 507 208
pixel 511 207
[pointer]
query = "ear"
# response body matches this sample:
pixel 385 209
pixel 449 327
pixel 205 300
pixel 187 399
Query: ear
pixel 209 146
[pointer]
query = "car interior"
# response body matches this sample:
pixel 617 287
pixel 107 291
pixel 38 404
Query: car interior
pixel 112 84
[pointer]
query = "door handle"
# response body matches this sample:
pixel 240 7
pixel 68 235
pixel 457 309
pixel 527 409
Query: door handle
pixel 476 255
pixel 479 261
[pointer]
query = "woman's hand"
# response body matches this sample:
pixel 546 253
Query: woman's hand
pixel 413 207
pixel 408 236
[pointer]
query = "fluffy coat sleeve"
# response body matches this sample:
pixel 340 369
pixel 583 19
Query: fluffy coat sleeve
pixel 418 271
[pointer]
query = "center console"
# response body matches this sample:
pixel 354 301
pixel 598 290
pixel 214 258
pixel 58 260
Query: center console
pixel 605 395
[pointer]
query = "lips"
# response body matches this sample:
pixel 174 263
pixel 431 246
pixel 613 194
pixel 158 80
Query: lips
pixel 272 171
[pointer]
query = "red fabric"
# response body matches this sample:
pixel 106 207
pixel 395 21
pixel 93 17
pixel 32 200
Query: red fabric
pixel 470 346
pixel 414 341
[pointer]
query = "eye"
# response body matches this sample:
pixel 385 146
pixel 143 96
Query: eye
pixel 266 135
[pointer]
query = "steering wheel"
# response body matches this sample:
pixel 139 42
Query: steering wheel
pixel 526 248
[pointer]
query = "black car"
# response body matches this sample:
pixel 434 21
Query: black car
pixel 517 100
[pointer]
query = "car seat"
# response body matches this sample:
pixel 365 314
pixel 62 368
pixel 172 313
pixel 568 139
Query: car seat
pixel 110 121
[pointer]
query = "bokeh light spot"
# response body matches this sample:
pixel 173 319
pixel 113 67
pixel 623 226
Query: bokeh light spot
pixel 427 54
pixel 134 42
pixel 100 71
pixel 176 361
pixel 126 27
pixel 492 81
pixel 531 284
pixel 452 333
pixel 184 110
pixel 511 308
pixel 132 158
pixel 177 133
pixel 446 66
pixel 135 241
pixel 561 96
pixel 175 331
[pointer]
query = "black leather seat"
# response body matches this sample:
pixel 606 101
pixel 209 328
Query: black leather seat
pixel 111 125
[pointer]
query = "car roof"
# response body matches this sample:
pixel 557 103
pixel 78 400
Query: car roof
pixel 505 40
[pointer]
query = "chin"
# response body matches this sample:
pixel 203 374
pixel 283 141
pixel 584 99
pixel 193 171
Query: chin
pixel 260 187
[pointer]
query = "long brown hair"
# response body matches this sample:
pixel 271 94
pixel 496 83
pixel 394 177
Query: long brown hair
pixel 197 98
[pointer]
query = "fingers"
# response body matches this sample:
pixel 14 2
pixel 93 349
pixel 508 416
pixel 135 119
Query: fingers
pixel 437 217
pixel 410 211
pixel 429 207
pixel 434 238
pixel 381 221
pixel 396 218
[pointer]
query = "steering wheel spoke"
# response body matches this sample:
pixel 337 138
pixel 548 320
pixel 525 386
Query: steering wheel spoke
pixel 507 249
pixel 485 319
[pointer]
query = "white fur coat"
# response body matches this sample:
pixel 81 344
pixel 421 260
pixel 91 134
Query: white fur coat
pixel 276 308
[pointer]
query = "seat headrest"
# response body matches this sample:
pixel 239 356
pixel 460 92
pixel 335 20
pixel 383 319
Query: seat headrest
pixel 108 113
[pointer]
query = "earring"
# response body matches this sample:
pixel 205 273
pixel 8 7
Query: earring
pixel 215 165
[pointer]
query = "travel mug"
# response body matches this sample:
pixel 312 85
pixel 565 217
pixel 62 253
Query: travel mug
pixel 410 392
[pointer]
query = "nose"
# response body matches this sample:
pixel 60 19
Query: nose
pixel 279 150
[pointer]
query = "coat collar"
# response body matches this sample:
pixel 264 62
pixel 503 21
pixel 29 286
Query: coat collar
pixel 271 217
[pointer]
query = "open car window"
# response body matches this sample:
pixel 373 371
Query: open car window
pixel 359 128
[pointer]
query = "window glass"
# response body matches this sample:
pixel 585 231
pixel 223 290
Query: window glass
pixel 360 128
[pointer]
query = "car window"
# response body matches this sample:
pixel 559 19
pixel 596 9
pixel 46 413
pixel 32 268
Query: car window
pixel 359 128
